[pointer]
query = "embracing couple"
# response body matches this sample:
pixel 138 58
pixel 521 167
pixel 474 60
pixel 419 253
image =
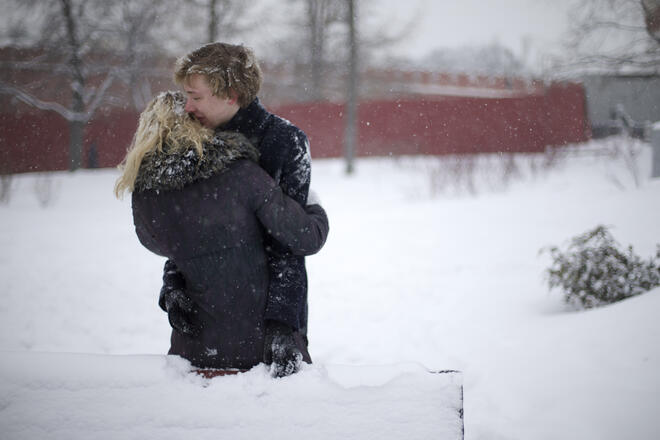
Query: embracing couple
pixel 220 188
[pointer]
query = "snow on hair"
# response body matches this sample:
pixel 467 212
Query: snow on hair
pixel 163 122
pixel 230 70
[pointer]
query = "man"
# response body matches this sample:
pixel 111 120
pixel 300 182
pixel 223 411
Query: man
pixel 221 82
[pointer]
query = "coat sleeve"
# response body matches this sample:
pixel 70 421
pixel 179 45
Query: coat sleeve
pixel 172 278
pixel 142 226
pixel 289 163
pixel 302 231
pixel 297 169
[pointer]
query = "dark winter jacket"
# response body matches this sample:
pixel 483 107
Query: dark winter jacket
pixel 284 154
pixel 211 218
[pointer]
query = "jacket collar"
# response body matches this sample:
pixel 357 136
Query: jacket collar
pixel 170 170
pixel 251 120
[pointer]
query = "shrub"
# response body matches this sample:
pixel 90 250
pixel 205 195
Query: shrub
pixel 593 271
pixel 5 187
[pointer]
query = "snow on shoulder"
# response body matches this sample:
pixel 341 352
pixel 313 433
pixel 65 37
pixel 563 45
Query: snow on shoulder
pixel 66 396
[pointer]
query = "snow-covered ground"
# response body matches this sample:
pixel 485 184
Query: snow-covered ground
pixel 82 396
pixel 413 272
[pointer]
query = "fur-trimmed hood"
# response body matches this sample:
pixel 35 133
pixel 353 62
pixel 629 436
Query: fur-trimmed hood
pixel 169 170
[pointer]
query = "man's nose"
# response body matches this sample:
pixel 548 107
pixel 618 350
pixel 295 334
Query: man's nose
pixel 189 107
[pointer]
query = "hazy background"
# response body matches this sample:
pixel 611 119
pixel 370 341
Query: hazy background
pixel 529 28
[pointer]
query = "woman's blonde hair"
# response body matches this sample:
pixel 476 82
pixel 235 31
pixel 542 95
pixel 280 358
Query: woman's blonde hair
pixel 163 123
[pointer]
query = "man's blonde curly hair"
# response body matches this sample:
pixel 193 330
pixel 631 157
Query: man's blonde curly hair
pixel 163 123
pixel 231 70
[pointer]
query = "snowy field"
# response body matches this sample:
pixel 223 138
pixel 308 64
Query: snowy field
pixel 416 272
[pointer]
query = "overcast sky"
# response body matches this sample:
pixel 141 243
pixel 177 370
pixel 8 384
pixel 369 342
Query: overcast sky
pixel 453 23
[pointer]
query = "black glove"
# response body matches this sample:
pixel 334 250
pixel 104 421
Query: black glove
pixel 179 308
pixel 174 301
pixel 280 350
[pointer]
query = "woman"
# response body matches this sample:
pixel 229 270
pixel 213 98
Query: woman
pixel 201 200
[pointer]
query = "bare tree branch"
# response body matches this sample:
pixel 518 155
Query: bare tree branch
pixel 609 35
pixel 97 95
pixel 29 99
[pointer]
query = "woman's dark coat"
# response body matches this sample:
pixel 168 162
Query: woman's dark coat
pixel 211 218
pixel 284 154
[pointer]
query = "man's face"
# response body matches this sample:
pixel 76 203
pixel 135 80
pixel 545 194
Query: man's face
pixel 212 111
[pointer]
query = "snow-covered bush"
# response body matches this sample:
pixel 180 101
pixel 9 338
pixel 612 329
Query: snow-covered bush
pixel 594 271
pixel 471 174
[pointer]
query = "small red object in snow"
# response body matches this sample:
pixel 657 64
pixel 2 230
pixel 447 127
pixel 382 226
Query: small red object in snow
pixel 210 373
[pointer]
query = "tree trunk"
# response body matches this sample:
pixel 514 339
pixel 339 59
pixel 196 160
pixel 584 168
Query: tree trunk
pixel 350 140
pixel 316 12
pixel 76 136
pixel 213 21
pixel 77 125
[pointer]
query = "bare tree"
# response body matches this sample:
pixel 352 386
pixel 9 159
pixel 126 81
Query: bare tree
pixel 321 15
pixel 327 65
pixel 350 140
pixel 314 45
pixel 224 19
pixel 87 47
pixel 135 30
pixel 67 35
pixel 490 59
pixel 610 35
pixel 379 31
pixel 324 26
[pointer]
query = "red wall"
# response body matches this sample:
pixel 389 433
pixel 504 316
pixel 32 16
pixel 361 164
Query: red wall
pixel 415 125
pixel 449 125
pixel 112 134
pixel 39 141
pixel 33 142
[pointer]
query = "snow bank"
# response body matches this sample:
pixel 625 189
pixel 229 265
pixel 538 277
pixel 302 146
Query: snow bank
pixel 77 396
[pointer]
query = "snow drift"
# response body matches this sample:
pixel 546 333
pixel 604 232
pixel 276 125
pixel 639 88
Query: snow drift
pixel 77 396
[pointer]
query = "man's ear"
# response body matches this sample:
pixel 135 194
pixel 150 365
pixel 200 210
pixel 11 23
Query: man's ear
pixel 232 97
